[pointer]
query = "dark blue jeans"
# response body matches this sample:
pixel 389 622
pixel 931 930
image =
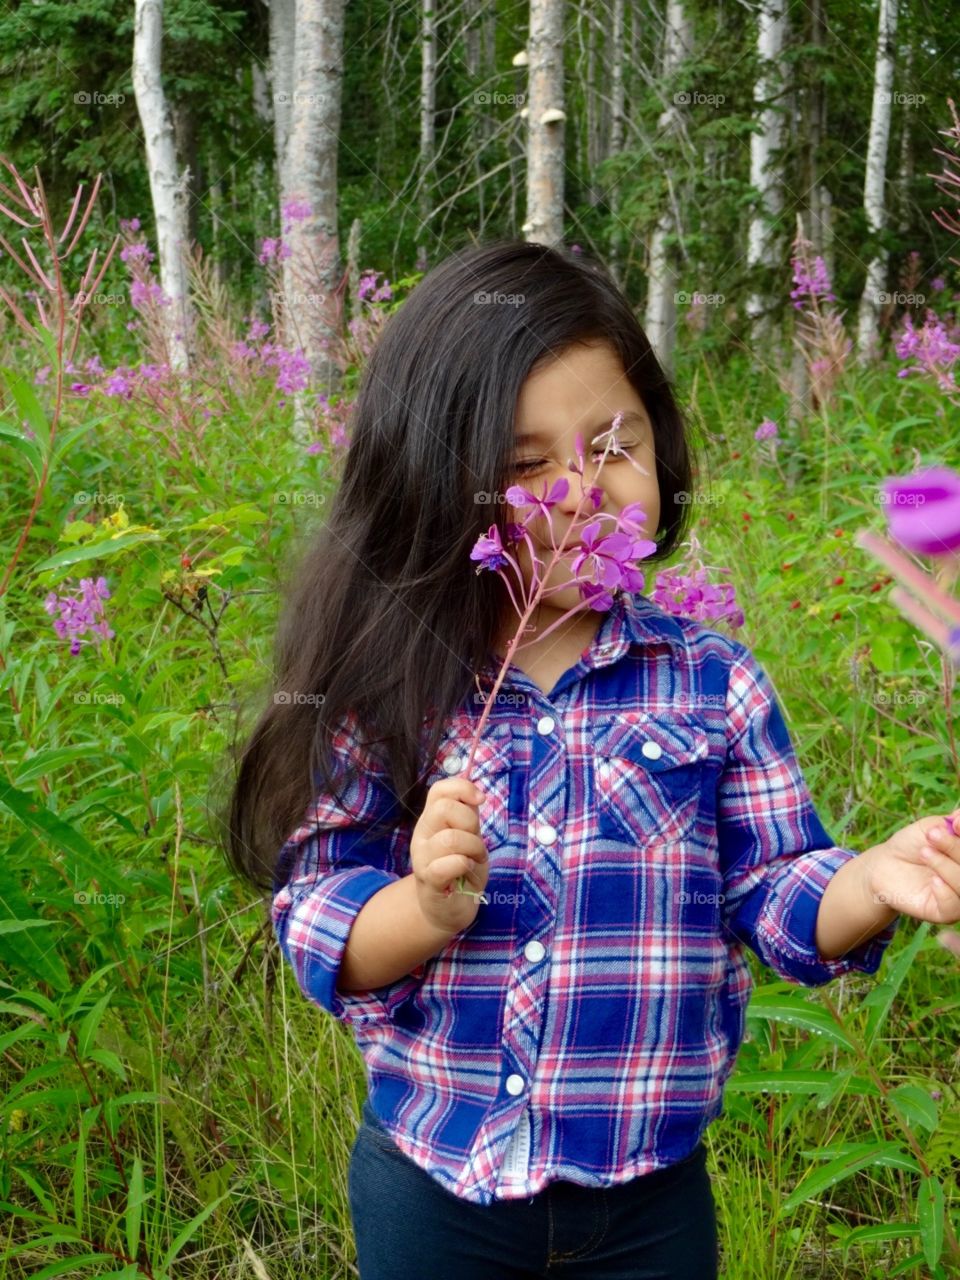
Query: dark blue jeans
pixel 660 1226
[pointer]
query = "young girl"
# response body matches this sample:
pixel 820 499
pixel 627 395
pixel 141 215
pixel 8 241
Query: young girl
pixel 541 1063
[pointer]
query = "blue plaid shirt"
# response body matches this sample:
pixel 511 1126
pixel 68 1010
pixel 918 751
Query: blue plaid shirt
pixel 645 822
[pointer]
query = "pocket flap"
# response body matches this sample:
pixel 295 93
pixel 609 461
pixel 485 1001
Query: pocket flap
pixel 658 743
pixel 494 753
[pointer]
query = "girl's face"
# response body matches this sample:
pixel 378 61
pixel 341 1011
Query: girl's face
pixel 579 392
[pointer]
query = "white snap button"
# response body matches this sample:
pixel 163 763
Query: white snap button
pixel 546 724
pixel 515 1085
pixel 603 769
pixel 546 834
pixel 652 750
pixel 534 950
pixel 453 764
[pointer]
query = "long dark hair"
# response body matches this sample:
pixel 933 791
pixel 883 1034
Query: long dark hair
pixel 386 620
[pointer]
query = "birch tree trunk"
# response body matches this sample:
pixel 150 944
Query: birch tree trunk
pixel 615 140
pixel 282 23
pixel 874 201
pixel 545 120
pixel 314 304
pixel 428 101
pixel 765 178
pixel 168 189
pixel 660 323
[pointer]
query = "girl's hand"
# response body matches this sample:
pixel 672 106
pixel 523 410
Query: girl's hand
pixel 906 879
pixel 446 844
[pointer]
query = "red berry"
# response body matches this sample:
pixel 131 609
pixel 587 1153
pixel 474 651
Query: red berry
pixel 795 604
pixel 877 586
pixel 786 566
pixel 836 617
pixel 735 455
pixel 838 582
pixel 185 561
pixel 791 516
pixel 838 533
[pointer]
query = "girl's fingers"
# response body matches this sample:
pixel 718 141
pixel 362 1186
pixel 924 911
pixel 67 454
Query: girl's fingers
pixel 946 868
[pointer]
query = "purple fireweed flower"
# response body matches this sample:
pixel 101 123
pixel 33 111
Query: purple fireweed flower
pixel 923 511
pixel 42 376
pixel 691 595
pixel 488 550
pixel 767 430
pixel 518 496
pixel 119 384
pixel 80 614
pixel 273 249
pixel 932 346
pixel 814 283
pixel 136 253
pixel 938 284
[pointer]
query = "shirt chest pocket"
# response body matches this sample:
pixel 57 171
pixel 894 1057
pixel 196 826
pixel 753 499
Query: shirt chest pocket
pixel 490 770
pixel 649 775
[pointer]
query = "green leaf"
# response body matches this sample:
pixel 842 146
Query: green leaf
pixel 916 1105
pixel 880 1234
pixel 89 1025
pixel 859 1156
pixel 882 655
pixel 881 999
pixel 799 1013
pixel 135 1199
pixel 101 550
pixel 17 441
pixel 28 405
pixel 773 1081
pixel 192 1227
pixel 930 1216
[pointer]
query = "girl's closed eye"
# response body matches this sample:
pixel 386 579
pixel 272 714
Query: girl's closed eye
pixel 530 465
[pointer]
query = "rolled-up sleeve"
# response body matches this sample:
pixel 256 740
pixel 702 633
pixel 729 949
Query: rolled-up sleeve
pixel 776 857
pixel 334 873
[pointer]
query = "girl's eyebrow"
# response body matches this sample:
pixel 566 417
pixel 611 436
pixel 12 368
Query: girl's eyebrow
pixel 539 436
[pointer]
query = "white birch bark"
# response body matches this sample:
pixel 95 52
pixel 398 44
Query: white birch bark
pixel 311 169
pixel 765 178
pixel 660 321
pixel 168 188
pixel 874 200
pixel 545 123
pixel 428 100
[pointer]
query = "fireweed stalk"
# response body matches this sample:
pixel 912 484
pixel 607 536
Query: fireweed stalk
pixel 609 556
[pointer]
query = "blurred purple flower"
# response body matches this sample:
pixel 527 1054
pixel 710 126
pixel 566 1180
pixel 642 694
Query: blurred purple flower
pixel 813 284
pixel 767 430
pixel 923 511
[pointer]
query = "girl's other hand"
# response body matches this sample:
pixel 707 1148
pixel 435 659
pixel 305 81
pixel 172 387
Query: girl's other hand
pixel 446 844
